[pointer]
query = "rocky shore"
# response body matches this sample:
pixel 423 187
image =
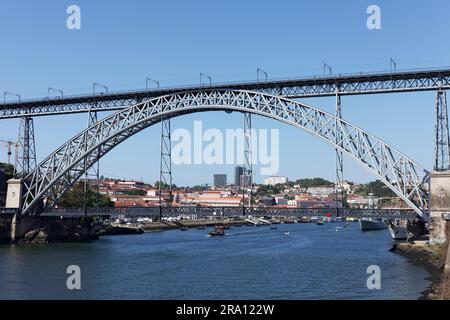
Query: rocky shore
pixel 432 258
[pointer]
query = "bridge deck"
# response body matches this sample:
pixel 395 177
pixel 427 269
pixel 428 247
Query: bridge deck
pixel 198 212
pixel 353 84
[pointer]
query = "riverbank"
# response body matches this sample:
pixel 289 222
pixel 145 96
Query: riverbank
pixel 432 258
pixel 169 225
pixel 138 228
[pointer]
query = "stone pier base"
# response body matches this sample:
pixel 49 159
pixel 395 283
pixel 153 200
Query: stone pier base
pixel 439 205
pixel 46 229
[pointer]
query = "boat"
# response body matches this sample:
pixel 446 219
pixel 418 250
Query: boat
pixel 287 233
pixel 369 224
pixel 183 229
pixel 305 220
pixel 218 231
pixel 398 229
pixel 320 223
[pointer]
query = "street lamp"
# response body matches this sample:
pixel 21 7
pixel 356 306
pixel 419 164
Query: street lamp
pixel 325 68
pixel 5 93
pixel 202 75
pixel 393 65
pixel 95 84
pixel 53 89
pixel 147 80
pixel 258 71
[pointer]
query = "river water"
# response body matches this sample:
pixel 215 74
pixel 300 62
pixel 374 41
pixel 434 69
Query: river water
pixel 312 262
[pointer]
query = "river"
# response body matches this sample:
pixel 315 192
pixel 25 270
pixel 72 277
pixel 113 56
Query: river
pixel 311 262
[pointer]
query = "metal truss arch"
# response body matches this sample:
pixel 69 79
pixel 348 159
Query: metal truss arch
pixel 60 170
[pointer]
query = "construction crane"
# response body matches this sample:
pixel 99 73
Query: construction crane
pixel 9 145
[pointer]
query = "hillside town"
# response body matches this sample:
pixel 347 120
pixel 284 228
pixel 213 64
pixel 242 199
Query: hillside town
pixel 275 191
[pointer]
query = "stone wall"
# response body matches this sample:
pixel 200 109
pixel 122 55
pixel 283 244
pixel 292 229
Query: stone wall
pixel 46 229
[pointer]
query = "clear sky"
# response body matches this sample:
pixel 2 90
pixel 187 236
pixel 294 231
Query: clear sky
pixel 122 42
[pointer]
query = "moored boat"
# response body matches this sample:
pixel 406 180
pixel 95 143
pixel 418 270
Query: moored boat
pixel 369 224
pixel 398 229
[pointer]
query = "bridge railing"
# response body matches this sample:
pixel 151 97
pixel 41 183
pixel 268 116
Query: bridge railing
pixel 221 212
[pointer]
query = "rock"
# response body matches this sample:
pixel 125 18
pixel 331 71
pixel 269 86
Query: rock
pixel 41 237
pixel 30 236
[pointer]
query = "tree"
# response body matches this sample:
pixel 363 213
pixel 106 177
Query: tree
pixel 315 182
pixel 134 192
pixel 378 188
pixel 163 185
pixel 267 190
pixel 75 197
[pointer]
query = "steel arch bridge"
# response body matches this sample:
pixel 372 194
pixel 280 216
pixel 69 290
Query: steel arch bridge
pixel 51 178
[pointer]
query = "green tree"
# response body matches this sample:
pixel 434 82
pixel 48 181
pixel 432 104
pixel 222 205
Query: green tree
pixel 75 197
pixel 163 185
pixel 267 190
pixel 134 192
pixel 315 182
pixel 378 188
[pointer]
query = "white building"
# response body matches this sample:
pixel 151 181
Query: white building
pixel 275 180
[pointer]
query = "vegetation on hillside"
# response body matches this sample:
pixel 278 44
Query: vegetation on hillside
pixel 315 182
pixel 75 197
pixel 268 190
pixel 378 188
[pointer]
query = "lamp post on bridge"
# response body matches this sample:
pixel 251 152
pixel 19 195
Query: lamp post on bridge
pixel 5 93
pixel 96 84
pixel 393 65
pixel 202 75
pixel 258 71
pixel 325 68
pixel 149 79
pixel 53 89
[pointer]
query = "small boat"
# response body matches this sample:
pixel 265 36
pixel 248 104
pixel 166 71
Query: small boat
pixel 226 227
pixel 369 224
pixel 273 228
pixel 184 229
pixel 287 233
pixel 398 229
pixel 218 231
pixel 320 223
pixel 201 228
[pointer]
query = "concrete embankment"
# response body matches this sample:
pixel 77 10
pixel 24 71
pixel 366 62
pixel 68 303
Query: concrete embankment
pixel 432 258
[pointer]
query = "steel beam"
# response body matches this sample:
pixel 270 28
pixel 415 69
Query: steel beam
pixel 442 140
pixel 165 173
pixel 247 177
pixel 26 157
pixel 93 171
pixel 339 155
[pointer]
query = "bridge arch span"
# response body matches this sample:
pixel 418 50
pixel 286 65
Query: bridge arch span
pixel 60 170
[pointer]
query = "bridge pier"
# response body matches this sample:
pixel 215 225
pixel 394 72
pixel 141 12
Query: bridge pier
pixel 15 228
pixel 439 206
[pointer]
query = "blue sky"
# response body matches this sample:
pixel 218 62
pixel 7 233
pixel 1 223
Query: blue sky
pixel 122 42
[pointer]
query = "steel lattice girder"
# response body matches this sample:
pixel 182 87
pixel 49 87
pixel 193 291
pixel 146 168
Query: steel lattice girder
pixel 59 171
pixel 293 88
